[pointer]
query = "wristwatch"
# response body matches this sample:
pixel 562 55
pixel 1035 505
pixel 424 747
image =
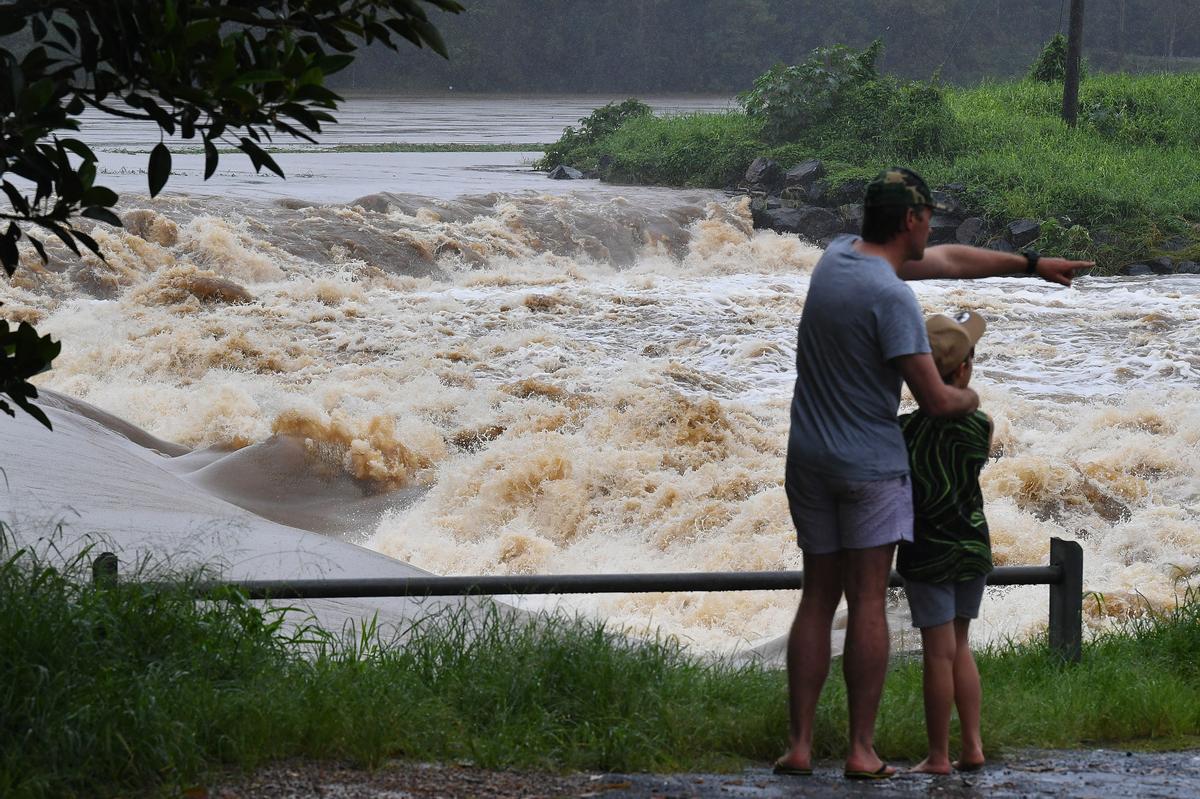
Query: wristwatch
pixel 1031 259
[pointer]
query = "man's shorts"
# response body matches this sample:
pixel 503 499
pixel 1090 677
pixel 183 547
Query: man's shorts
pixel 934 604
pixel 832 514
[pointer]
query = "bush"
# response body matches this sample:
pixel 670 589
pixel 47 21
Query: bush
pixel 791 99
pixel 576 143
pixel 685 150
pixel 836 103
pixel 1051 64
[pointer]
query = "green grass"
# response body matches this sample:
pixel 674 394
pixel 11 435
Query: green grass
pixel 112 691
pixel 1126 174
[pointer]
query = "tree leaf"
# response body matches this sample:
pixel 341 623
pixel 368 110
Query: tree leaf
pixel 259 157
pixel 159 169
pixel 16 198
pixel 9 256
pixel 41 248
pixel 210 158
pixel 99 195
pixel 102 214
pixel 79 148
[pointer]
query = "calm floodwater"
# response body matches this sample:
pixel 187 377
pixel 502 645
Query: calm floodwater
pixel 342 176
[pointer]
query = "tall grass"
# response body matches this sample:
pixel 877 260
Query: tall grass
pixel 123 689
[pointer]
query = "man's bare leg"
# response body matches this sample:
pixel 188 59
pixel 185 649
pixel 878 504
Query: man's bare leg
pixel 968 697
pixel 938 647
pixel 808 652
pixel 865 661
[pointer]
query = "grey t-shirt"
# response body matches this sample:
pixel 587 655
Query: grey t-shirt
pixel 858 316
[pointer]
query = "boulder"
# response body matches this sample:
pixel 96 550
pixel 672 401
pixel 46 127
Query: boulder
pixel 564 172
pixel 818 191
pixel 972 230
pixel 1176 243
pixel 781 220
pixel 954 206
pixel 851 191
pixel 1001 245
pixel 804 174
pixel 852 217
pixel 1161 266
pixel 943 229
pixel 1022 232
pixel 1134 270
pixel 807 221
pixel 1187 268
pixel 764 174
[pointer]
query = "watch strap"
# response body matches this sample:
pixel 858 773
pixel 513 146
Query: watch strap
pixel 1031 261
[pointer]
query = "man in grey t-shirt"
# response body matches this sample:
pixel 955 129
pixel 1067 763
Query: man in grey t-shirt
pixel 862 334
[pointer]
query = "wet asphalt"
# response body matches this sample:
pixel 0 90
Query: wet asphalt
pixel 1054 773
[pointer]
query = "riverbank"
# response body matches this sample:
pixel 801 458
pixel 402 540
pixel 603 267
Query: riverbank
pixel 1118 189
pixel 127 688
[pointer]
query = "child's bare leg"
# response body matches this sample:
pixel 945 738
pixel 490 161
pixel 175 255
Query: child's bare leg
pixel 939 644
pixel 968 697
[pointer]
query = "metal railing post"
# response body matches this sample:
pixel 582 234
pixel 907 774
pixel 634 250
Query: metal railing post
pixel 104 570
pixel 1066 600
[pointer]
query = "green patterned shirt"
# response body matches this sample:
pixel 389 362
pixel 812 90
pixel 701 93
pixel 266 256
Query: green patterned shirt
pixel 950 533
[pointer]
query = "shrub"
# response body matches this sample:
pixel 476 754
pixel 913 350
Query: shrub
pixel 685 150
pixel 576 143
pixel 1051 64
pixel 837 103
pixel 791 99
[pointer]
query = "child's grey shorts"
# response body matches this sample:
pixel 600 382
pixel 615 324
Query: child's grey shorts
pixel 934 604
pixel 831 514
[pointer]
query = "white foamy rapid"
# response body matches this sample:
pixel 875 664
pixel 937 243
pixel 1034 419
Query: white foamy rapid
pixel 597 384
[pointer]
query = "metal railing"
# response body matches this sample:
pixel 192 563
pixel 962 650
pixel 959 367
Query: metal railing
pixel 1064 575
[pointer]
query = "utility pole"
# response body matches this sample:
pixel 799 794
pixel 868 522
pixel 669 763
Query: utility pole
pixel 1070 108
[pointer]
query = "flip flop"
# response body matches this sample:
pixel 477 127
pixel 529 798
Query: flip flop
pixel 961 766
pixel 884 772
pixel 784 769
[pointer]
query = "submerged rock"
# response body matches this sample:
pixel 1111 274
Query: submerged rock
pixel 1133 270
pixel 806 221
pixel 564 172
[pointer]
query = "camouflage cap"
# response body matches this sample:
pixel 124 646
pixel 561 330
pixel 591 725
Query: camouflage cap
pixel 899 186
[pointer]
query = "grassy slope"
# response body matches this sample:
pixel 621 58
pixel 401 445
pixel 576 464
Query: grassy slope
pixel 119 690
pixel 1127 171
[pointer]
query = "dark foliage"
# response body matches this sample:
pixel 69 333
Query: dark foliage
pixel 574 144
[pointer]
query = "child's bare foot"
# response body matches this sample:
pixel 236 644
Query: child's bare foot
pixel 971 759
pixel 931 766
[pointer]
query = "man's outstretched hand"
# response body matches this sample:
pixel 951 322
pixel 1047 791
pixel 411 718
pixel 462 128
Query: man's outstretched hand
pixel 1060 270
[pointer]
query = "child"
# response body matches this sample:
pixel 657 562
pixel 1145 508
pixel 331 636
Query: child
pixel 946 565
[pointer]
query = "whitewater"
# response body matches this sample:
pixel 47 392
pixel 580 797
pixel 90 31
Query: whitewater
pixel 582 378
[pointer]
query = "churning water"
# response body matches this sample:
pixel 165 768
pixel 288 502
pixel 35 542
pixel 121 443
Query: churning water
pixel 597 380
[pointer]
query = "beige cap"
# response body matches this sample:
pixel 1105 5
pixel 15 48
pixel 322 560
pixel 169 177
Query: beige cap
pixel 953 337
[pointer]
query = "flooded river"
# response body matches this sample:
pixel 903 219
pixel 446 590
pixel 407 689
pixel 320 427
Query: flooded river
pixel 454 361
